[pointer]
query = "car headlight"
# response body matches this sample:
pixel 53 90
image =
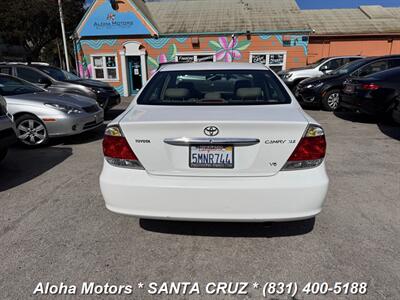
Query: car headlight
pixel 287 75
pixel 65 108
pixel 97 90
pixel 315 85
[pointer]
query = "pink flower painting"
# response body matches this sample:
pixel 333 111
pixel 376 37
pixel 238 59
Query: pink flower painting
pixel 228 50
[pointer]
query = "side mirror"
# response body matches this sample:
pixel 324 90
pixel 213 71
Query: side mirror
pixel 325 69
pixel 45 81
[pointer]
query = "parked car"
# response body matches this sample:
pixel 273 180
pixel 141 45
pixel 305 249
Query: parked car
pixel 59 81
pixel 7 129
pixel 40 115
pixel 326 91
pixel 396 110
pixel 324 66
pixel 215 141
pixel 375 94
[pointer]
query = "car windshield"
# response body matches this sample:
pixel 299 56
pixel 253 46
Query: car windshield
pixel 219 87
pixel 58 74
pixel 349 67
pixel 10 86
pixel 317 63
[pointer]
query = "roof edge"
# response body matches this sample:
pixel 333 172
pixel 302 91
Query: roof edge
pixel 299 31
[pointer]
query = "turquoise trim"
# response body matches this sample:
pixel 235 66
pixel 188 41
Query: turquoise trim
pixel 120 89
pixel 265 37
pixel 295 40
pixel 157 43
pixel 181 39
pixel 98 44
pixel 280 39
pixel 130 84
pixel 236 32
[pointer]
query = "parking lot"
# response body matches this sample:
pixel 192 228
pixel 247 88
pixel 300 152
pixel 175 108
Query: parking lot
pixel 55 227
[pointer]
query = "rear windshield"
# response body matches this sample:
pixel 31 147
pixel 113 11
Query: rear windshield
pixel 220 87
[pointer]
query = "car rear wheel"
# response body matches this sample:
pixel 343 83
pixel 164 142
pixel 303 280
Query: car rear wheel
pixel 331 100
pixel 31 131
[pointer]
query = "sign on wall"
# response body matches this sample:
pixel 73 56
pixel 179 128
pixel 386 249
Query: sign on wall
pixel 105 21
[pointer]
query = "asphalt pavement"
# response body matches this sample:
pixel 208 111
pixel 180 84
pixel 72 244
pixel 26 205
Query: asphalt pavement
pixel 55 228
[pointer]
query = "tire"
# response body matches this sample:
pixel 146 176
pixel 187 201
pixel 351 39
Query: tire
pixel 331 100
pixel 31 131
pixel 3 153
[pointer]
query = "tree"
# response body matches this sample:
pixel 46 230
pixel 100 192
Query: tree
pixel 35 24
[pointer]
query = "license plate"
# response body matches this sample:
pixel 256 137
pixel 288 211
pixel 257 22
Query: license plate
pixel 211 156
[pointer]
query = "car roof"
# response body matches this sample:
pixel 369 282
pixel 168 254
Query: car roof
pixel 344 56
pixel 211 66
pixel 371 58
pixel 20 63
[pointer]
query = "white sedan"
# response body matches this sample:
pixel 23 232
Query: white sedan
pixel 215 142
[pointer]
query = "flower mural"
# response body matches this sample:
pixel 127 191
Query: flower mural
pixel 85 68
pixel 154 63
pixel 228 51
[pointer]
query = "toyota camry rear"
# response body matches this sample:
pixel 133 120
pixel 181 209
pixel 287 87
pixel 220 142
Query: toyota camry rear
pixel 218 142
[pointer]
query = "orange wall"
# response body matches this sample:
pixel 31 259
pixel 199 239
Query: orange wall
pixel 319 47
pixel 157 51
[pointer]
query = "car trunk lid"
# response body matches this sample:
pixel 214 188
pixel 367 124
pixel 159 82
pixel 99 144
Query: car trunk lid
pixel 263 137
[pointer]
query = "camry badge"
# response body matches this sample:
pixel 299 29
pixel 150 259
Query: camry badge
pixel 211 131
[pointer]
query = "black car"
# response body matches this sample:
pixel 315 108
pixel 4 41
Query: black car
pixel 396 110
pixel 57 80
pixel 7 129
pixel 376 94
pixel 326 91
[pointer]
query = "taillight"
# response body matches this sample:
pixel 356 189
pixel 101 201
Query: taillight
pixel 370 86
pixel 117 151
pixel 310 151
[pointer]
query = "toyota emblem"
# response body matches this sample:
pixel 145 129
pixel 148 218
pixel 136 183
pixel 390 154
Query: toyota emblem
pixel 211 131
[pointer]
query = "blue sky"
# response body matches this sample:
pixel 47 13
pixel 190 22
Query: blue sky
pixel 315 4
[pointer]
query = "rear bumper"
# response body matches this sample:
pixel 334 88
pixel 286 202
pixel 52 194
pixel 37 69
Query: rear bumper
pixel 290 195
pixel 363 105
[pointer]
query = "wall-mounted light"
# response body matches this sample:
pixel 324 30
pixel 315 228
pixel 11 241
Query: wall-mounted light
pixel 195 42
pixel 248 35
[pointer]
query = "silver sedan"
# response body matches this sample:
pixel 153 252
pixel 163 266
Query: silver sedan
pixel 40 115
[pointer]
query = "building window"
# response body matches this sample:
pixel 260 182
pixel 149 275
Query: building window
pixel 105 67
pixel 276 61
pixel 195 57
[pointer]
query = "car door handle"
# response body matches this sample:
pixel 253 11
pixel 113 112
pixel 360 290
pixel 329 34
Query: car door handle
pixel 238 142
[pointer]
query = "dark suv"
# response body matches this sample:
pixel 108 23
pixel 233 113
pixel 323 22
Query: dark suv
pixel 59 81
pixel 327 90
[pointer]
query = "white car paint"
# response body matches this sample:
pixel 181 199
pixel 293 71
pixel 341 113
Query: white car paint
pixel 294 76
pixel 256 189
